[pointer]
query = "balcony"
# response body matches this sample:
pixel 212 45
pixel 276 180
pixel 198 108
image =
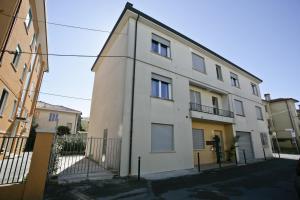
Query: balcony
pixel 210 113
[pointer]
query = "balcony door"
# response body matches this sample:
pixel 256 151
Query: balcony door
pixel 195 99
pixel 215 105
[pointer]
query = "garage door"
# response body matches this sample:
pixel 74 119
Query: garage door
pixel 245 143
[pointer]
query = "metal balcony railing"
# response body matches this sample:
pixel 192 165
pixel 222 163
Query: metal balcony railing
pixel 211 110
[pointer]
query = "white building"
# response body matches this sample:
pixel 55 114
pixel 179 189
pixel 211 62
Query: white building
pixel 165 95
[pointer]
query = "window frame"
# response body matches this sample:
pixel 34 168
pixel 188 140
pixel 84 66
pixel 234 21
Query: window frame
pixel 14 110
pixel 30 16
pixel 203 144
pixel 159 46
pixel 219 73
pixel 195 67
pixel 242 106
pixel 173 139
pixel 161 81
pixel 17 56
pixel 257 108
pixel 254 89
pixel 234 80
pixel 24 72
pixel 3 101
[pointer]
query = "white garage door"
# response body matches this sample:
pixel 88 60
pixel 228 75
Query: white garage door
pixel 245 143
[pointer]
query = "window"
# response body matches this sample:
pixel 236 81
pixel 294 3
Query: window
pixel 3 100
pixel 23 72
pixel 53 117
pixel 160 46
pixel 162 138
pixel 219 73
pixel 215 104
pixel 28 19
pixel 198 139
pixel 13 112
pixel 259 113
pixel 195 99
pixel 161 87
pixel 239 108
pixel 264 139
pixel 254 89
pixel 17 56
pixel 234 80
pixel 198 63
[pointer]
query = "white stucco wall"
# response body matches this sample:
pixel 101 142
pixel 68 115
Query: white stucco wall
pixel 112 98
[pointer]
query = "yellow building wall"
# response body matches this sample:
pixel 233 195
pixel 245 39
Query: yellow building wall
pixel 207 156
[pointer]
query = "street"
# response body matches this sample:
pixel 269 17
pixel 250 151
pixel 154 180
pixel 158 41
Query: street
pixel 273 179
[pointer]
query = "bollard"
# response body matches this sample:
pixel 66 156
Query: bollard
pixel 139 167
pixel 245 156
pixel 264 154
pixel 236 162
pixel 198 155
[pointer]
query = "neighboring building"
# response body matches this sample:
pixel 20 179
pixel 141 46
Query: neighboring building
pixel 22 64
pixel 49 117
pixel 183 95
pixel 282 118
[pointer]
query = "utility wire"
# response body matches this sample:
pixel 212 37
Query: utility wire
pixel 62 25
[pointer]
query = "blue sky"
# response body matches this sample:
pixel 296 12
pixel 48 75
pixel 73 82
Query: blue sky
pixel 263 37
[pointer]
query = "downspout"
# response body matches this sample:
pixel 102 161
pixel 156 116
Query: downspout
pixel 10 31
pixel 132 97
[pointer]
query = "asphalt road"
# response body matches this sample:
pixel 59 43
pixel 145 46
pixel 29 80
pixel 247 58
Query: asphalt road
pixel 273 179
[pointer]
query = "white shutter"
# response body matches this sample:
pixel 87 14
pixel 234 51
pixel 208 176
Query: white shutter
pixel 162 138
pixel 198 139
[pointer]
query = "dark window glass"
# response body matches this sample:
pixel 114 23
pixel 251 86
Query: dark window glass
pixel 164 90
pixel 163 50
pixel 155 88
pixel 155 46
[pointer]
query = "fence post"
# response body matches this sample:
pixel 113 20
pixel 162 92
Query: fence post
pixel 35 184
pixel 236 162
pixel 90 151
pixel 139 167
pixel 198 155
pixel 264 153
pixel 245 156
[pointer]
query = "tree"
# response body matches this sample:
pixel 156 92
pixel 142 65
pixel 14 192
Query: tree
pixel 63 130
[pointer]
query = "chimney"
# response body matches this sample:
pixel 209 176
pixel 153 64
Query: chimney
pixel 267 97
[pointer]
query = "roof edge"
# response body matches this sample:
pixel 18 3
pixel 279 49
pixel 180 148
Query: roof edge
pixel 129 6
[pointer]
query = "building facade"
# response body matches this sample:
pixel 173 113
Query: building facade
pixel 283 122
pixel 48 117
pixel 23 61
pixel 167 97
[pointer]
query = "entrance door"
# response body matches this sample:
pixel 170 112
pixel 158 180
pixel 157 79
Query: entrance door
pixel 245 143
pixel 221 144
pixel 215 105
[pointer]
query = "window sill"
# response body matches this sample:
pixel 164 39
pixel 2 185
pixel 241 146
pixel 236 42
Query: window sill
pixel 241 115
pixel 260 120
pixel 171 100
pixel 158 152
pixel 10 120
pixel 236 87
pixel 169 58
pixel 205 73
pixel 14 67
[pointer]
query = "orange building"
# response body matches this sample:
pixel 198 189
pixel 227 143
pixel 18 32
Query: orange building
pixel 23 61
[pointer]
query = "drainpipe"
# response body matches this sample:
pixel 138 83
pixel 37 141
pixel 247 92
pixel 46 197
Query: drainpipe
pixel 10 30
pixel 132 96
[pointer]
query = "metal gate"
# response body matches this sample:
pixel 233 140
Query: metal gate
pixel 79 156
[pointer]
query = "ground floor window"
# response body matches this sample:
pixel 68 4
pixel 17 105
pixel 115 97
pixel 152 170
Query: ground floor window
pixel 264 139
pixel 162 137
pixel 198 139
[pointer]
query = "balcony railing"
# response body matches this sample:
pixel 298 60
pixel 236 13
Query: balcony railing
pixel 211 110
